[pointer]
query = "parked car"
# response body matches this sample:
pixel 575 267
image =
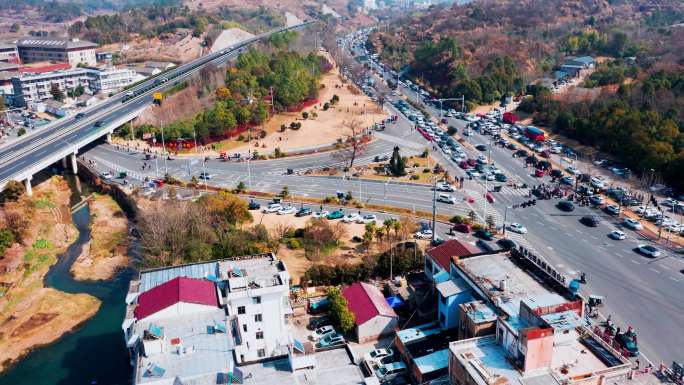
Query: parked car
pixel 337 214
pixel 626 340
pixel 106 175
pixel 648 250
pixel 378 354
pixel 613 209
pixel 322 332
pixel 590 220
pixel 596 200
pixel 304 211
pixel 389 372
pixel 572 170
pixel 632 224
pixel 423 234
pixel 461 228
pixel 321 214
pixel 565 206
pixel 317 322
pixel 331 339
pixel 446 198
pixel 517 228
pixel 506 244
pixel 272 208
pixel 286 210
pixel 351 218
pixel 617 235
pixel 368 218
pixel 253 205
pixel 79 115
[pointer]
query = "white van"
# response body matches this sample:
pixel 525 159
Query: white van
pixel 388 372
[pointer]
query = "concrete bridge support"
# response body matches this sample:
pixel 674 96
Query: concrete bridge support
pixel 74 163
pixel 29 189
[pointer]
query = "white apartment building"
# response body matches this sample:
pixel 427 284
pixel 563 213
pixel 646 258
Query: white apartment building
pixel 9 53
pixel 110 79
pixel 72 51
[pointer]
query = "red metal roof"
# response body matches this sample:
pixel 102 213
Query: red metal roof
pixel 366 302
pixel 452 248
pixel 44 68
pixel 179 289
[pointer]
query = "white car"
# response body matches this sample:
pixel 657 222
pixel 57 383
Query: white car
pixel 321 214
pixel 490 176
pixel 368 218
pixel 286 210
pixel 648 250
pixel 481 159
pixel 446 198
pixel 350 218
pixel 272 208
pixel 388 372
pixel 632 224
pixel 423 234
pixel 517 228
pixel 322 332
pixel 445 187
pixel 106 175
pixel 617 235
pixel 473 173
pixel 613 209
pixel 377 354
pixel 446 151
pixel 572 170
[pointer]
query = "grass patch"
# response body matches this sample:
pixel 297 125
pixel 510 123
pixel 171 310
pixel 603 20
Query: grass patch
pixel 44 203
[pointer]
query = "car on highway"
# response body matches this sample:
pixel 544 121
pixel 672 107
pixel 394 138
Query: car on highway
pixel 423 234
pixel 321 332
pixel 445 187
pixel 484 234
pixel 648 250
pixel 517 228
pixel 337 214
pixel 565 206
pixel 272 208
pixel 79 115
pixel 321 214
pixel 99 123
pixel 351 218
pixel 253 205
pixel 367 218
pixel 304 211
pixel 446 198
pixel 613 209
pixel 590 220
pixel 632 224
pixel 332 339
pixel 617 235
pixel 286 210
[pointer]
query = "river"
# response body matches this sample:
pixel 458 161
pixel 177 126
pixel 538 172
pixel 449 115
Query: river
pixel 95 352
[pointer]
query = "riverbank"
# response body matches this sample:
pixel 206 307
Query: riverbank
pixel 32 315
pixel 106 252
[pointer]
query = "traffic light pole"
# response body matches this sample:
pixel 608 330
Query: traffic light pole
pixel 503 232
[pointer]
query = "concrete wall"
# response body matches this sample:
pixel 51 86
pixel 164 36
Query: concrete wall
pixel 375 328
pixel 272 325
pixel 451 309
pixel 178 309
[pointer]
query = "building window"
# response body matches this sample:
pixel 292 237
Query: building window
pixel 256 300
pixel 244 327
pixel 261 353
pixel 258 318
pixel 260 335
pixel 241 310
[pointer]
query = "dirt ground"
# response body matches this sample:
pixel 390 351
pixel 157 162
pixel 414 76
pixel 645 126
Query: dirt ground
pixel 178 47
pixel 107 251
pixel 31 315
pixel 295 260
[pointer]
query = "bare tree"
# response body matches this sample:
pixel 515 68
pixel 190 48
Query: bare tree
pixel 355 142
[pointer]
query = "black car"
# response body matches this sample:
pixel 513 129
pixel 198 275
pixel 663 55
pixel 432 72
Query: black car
pixel 99 123
pixel 544 165
pixel 583 177
pixel 485 246
pixel 316 322
pixel 520 154
pixel 481 147
pixel 590 220
pixel 254 205
pixel 484 234
pixel 511 146
pixel 79 115
pixel 304 211
pixel 555 173
pixel 566 206
pixel 506 244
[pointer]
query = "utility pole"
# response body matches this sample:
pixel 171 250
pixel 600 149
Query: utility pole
pixel 441 100
pixel 434 210
pixel 166 168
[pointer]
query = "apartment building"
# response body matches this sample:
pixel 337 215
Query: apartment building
pixel 198 322
pixel 110 79
pixel 72 51
pixel 9 53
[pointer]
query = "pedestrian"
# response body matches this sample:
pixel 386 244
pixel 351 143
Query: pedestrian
pixel 638 363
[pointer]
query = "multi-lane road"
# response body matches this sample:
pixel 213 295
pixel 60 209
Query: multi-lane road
pixel 65 135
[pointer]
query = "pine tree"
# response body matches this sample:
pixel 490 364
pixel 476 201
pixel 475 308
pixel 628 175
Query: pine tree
pixel 397 164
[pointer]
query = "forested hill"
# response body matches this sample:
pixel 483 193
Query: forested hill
pixel 65 10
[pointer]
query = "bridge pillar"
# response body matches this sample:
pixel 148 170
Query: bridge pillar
pixel 74 164
pixel 27 183
pixel 109 137
pixel 64 162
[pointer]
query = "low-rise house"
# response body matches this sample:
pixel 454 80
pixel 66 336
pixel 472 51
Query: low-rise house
pixel 425 350
pixel 374 317
pixel 437 259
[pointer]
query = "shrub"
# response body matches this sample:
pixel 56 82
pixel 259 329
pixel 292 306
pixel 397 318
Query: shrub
pixel 293 243
pixel 241 138
pixel 283 128
pixel 262 134
pixel 477 226
pixel 415 177
pixel 21 132
pixel 326 106
pixel 305 115
pixel 424 154
pixel 331 199
pixel 426 170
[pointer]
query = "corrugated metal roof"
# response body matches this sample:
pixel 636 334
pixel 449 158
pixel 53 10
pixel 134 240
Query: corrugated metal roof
pixel 179 289
pixel 452 248
pixel 366 302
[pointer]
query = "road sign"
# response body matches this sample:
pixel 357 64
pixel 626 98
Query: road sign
pixel 157 96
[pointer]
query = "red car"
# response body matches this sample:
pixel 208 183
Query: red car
pixel 490 197
pixel 464 165
pixel 461 228
pixel 472 162
pixel 538 173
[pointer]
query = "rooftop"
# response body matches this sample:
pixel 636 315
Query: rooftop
pixel 258 270
pixel 479 312
pixel 443 253
pixel 571 354
pixel 366 302
pixel 39 42
pixel 179 289
pixel 187 349
pixel 484 359
pixel 452 287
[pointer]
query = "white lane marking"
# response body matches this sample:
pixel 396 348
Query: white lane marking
pixel 654 270
pixel 636 262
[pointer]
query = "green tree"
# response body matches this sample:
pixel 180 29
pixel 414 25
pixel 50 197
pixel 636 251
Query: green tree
pixel 342 317
pixel 56 93
pixel 13 191
pixel 285 192
pixel 15 27
pixel 397 164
